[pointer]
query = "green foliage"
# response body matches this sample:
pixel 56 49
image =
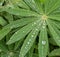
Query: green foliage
pixel 29 28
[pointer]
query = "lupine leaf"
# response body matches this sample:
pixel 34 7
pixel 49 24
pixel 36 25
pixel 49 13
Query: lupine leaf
pixel 55 17
pixel 21 33
pixel 51 41
pixel 55 52
pixel 55 35
pixel 3 47
pixel 31 4
pixel 51 5
pixel 9 17
pixel 55 23
pixel 43 42
pixel 20 12
pixel 22 4
pixel 12 25
pixel 4 32
pixel 17 44
pixel 2 21
pixel 1 2
pixel 38 4
pixel 28 42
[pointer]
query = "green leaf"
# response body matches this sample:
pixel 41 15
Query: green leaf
pixel 56 23
pixel 30 53
pixel 3 47
pixel 2 21
pixel 53 32
pixel 39 6
pixel 55 17
pixel 17 44
pixel 51 5
pixel 10 47
pixel 31 4
pixel 22 22
pixel 20 12
pixel 14 24
pixel 4 55
pixel 1 2
pixel 43 42
pixel 29 41
pixel 22 4
pixel 4 32
pixel 21 33
pixel 9 17
pixel 51 41
pixel 55 52
pixel 35 55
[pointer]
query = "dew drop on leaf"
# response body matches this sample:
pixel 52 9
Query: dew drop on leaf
pixel 28 42
pixel 23 31
pixel 16 33
pixel 43 42
pixel 36 29
pixel 32 36
pixel 34 22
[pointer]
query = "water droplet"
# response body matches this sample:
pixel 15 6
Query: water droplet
pixel 34 33
pixel 0 3
pixel 15 32
pixel 9 56
pixel 28 42
pixel 33 1
pixel 23 31
pixel 36 29
pixel 11 27
pixel 58 38
pixel 39 24
pixel 21 55
pixel 43 42
pixel 25 48
pixel 43 27
pixel 34 22
pixel 11 53
pixel 32 36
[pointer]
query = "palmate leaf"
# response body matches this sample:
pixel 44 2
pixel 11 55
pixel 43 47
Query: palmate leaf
pixel 39 17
